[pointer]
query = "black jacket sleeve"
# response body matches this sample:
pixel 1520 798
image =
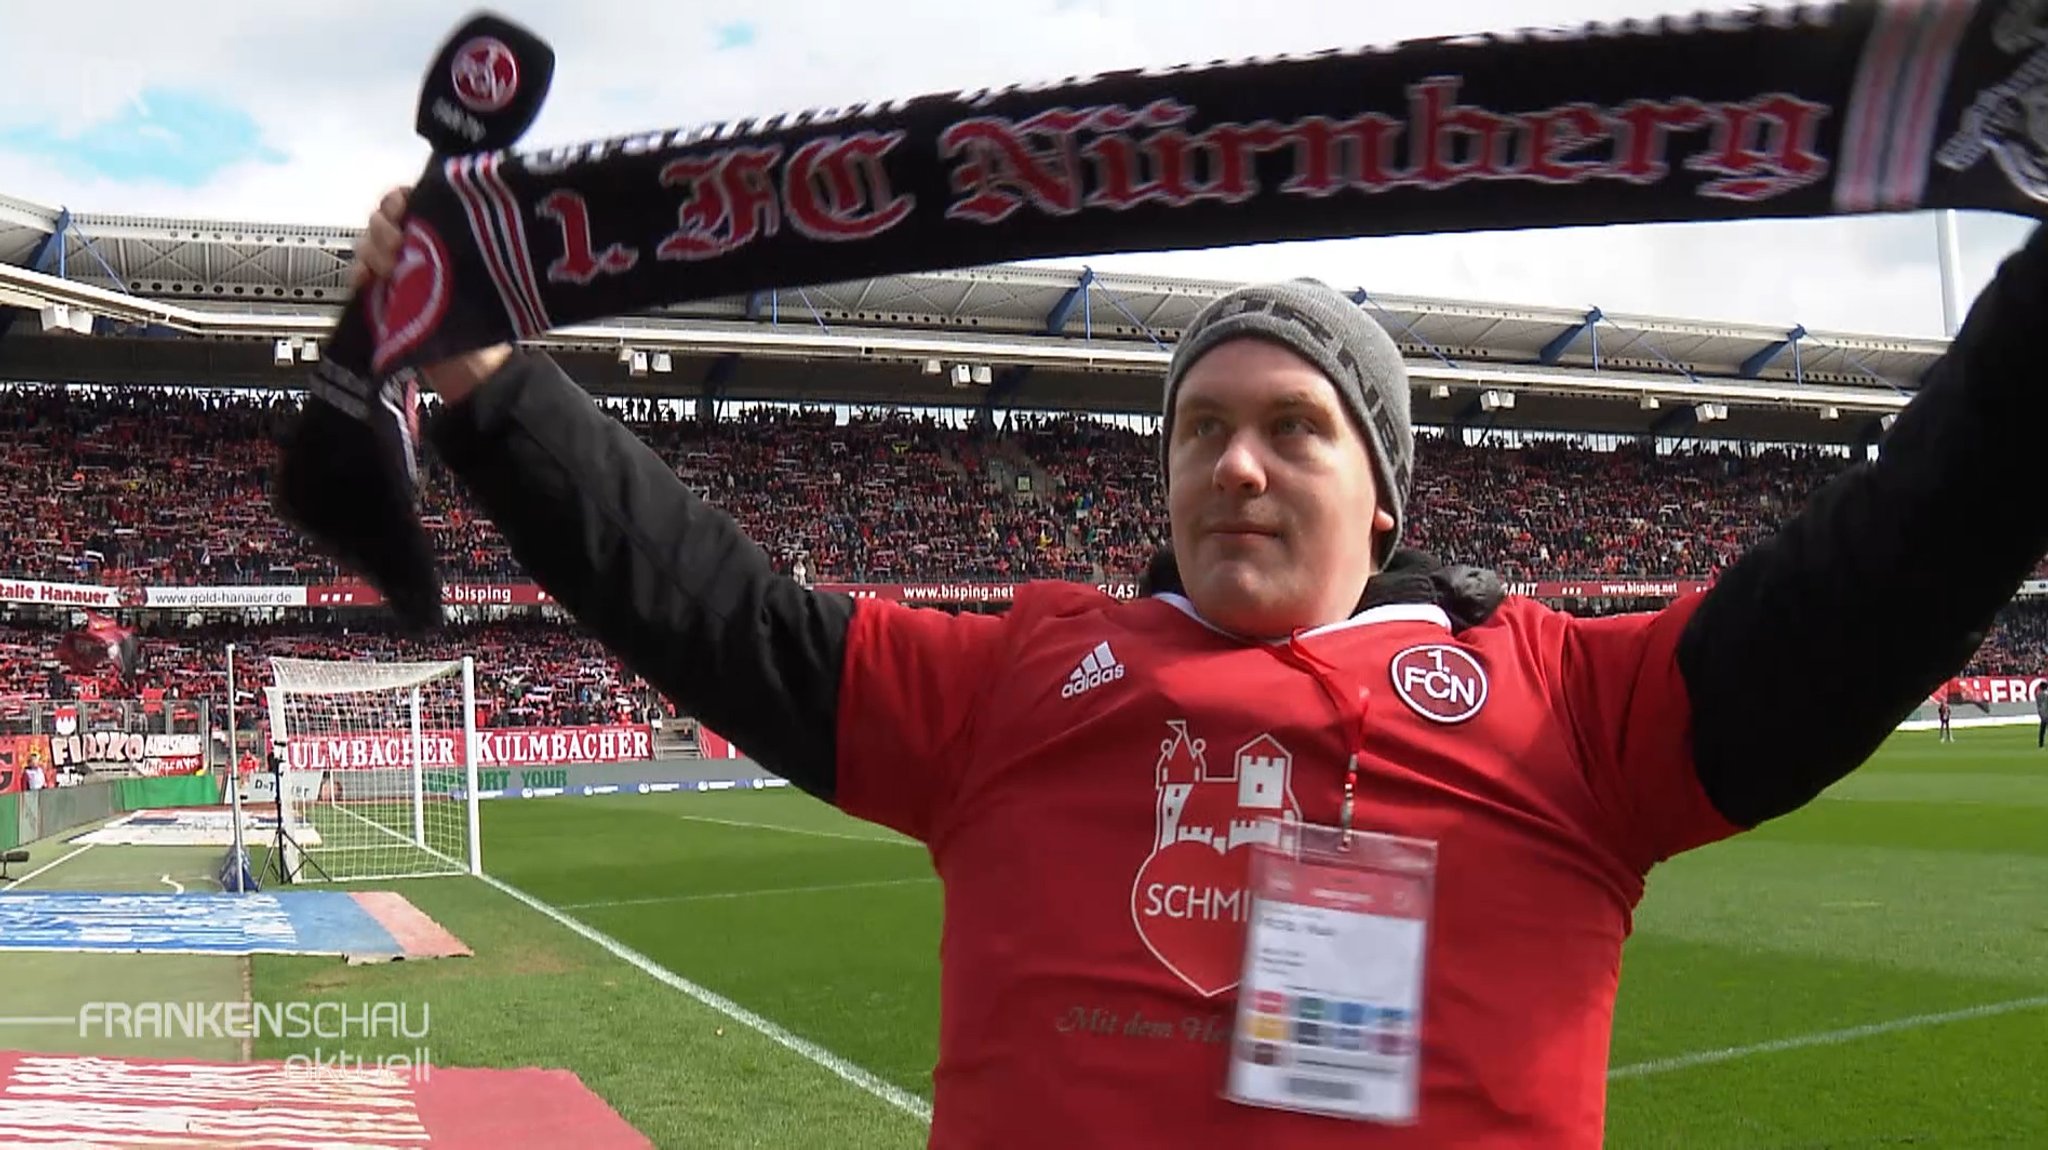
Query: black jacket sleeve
pixel 1812 648
pixel 665 580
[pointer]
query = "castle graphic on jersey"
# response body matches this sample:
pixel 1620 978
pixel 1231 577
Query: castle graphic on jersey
pixel 1224 807
pixel 1189 900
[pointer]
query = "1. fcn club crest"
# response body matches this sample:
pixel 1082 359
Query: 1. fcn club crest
pixel 1190 900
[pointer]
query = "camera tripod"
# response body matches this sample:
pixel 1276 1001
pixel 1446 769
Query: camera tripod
pixel 284 849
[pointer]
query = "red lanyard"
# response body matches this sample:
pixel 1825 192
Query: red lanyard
pixel 1335 688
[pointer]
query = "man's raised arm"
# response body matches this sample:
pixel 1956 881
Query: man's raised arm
pixel 1812 648
pixel 666 581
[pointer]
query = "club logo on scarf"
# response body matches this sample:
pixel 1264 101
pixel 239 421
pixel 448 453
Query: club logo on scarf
pixel 2009 120
pixel 409 303
pixel 486 75
pixel 1190 900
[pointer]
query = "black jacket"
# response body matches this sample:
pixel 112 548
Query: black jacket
pixel 1804 656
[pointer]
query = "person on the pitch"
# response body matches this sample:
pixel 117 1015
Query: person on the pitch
pixel 1092 775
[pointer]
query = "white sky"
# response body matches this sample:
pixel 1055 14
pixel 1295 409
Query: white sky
pixel 331 87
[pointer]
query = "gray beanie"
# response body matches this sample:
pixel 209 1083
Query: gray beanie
pixel 1324 327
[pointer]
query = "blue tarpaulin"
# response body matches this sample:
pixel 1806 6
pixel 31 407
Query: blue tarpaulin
pixel 288 922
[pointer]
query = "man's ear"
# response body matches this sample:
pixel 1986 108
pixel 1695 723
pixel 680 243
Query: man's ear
pixel 1382 531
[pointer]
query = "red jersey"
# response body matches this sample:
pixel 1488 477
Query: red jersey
pixel 1087 772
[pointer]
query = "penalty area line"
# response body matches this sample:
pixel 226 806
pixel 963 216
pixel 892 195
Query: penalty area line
pixel 1824 1038
pixel 846 1071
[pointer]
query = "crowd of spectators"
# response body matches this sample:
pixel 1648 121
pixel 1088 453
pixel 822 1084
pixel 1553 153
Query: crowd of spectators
pixel 160 487
pixel 1103 486
pixel 529 672
pixel 546 673
pixel 2018 642
pixel 1556 510
pixel 168 488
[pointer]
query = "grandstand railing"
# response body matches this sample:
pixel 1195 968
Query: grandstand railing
pixel 26 716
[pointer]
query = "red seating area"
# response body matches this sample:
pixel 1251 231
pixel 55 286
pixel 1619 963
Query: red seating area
pixel 170 488
pixel 548 674
pixel 1105 487
pixel 2018 642
pixel 528 673
pixel 1554 510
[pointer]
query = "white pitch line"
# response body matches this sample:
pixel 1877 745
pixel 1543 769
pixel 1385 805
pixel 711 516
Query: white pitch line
pixel 895 1096
pixel 746 893
pixel 176 886
pixel 1824 1038
pixel 46 866
pixel 875 839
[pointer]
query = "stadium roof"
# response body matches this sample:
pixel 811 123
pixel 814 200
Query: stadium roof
pixel 184 301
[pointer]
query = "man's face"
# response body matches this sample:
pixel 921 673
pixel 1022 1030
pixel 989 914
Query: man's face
pixel 1269 485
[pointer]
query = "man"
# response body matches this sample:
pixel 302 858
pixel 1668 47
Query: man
pixel 1087 773
pixel 2041 713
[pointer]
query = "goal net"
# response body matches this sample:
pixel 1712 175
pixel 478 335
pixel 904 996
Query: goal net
pixel 377 776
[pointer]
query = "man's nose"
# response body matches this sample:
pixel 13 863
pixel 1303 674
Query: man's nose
pixel 1241 466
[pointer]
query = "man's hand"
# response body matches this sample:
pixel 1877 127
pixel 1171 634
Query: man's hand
pixel 377 248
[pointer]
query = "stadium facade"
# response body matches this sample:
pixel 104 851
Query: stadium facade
pixel 138 301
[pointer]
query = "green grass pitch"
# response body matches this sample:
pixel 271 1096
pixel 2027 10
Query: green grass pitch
pixel 1872 971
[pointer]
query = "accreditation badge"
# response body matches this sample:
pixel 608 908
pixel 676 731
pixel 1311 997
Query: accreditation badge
pixel 1329 1007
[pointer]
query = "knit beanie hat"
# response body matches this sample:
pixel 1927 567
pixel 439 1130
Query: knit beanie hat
pixel 1324 327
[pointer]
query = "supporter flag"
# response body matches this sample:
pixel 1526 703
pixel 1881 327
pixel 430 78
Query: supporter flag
pixel 1960 692
pixel 100 643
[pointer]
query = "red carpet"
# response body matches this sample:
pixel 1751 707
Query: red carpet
pixel 82 1101
pixel 421 936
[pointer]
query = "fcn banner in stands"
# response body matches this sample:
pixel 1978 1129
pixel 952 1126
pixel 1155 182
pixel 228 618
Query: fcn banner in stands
pixel 1990 690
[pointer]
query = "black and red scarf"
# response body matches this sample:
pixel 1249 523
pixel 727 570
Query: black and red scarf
pixel 1828 109
pixel 1871 106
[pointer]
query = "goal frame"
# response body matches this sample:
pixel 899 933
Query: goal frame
pixel 289 859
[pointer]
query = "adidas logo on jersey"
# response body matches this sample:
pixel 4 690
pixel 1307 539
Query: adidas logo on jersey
pixel 1097 667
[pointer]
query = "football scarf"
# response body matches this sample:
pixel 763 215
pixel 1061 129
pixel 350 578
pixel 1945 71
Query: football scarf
pixel 1822 110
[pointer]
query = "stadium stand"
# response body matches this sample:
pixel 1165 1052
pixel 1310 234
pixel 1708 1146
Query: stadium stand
pixel 170 488
pixel 531 673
